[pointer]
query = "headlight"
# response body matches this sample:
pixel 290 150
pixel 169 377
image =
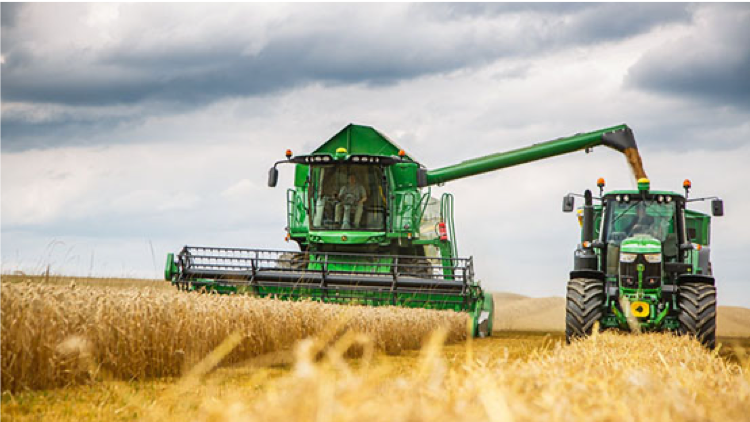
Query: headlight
pixel 653 258
pixel 627 257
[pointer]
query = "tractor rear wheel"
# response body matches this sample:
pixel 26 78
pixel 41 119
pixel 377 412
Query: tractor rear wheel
pixel 584 306
pixel 698 312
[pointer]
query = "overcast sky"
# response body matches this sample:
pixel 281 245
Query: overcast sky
pixel 131 130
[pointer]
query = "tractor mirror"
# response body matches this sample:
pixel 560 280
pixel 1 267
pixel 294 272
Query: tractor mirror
pixel 717 207
pixel 273 177
pixel 569 203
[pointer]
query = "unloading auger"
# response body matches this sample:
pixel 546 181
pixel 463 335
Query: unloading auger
pixel 369 231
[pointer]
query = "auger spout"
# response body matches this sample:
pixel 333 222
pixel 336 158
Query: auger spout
pixel 618 137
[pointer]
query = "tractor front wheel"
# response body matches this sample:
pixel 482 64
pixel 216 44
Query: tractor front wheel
pixel 584 306
pixel 698 312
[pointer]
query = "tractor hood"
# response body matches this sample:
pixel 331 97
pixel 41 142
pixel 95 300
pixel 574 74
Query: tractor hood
pixel 641 244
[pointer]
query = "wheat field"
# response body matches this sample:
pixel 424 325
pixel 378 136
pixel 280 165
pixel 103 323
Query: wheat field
pixel 54 336
pixel 609 377
pixel 152 354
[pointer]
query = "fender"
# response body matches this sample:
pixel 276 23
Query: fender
pixel 696 278
pixel 595 274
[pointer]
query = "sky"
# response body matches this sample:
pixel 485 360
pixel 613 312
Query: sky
pixel 130 130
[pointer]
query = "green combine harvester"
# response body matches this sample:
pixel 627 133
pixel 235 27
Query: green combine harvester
pixel 368 229
pixel 643 263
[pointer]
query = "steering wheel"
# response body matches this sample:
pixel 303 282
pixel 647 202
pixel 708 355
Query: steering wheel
pixel 349 199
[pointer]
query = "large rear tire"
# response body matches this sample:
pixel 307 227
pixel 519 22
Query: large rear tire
pixel 584 306
pixel 698 312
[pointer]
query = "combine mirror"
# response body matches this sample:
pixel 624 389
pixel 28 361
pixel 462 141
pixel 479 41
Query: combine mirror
pixel 569 203
pixel 717 207
pixel 273 177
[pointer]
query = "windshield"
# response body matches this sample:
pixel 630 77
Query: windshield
pixel 348 197
pixel 628 219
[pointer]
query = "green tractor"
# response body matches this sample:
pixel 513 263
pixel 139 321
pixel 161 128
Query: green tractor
pixel 643 264
pixel 368 229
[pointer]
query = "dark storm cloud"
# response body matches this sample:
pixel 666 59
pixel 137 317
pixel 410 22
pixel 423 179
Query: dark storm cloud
pixel 284 63
pixel 20 134
pixel 588 22
pixel 10 12
pixel 602 22
pixel 383 53
pixel 711 65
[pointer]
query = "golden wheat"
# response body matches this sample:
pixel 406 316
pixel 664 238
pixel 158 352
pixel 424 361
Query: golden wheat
pixel 55 336
pixel 609 377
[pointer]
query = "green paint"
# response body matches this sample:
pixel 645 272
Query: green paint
pixel 640 244
pixel 519 156
pixel 659 318
pixel 394 211
pixel 618 216
pixel 170 269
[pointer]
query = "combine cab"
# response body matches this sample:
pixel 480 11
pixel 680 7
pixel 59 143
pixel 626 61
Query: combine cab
pixel 643 263
pixel 368 229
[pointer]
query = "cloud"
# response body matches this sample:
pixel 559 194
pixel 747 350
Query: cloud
pixel 104 178
pixel 119 65
pixel 126 54
pixel 10 14
pixel 710 63
pixel 575 23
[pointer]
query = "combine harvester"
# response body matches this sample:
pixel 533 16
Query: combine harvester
pixel 643 263
pixel 369 231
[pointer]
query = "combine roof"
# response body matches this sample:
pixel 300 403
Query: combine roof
pixel 358 139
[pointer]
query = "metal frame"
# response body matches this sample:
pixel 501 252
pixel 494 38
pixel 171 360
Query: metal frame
pixel 447 280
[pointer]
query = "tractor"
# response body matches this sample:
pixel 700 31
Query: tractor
pixel 643 264
pixel 368 229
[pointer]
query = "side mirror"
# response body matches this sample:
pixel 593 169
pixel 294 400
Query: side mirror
pixel 273 177
pixel 717 207
pixel 569 203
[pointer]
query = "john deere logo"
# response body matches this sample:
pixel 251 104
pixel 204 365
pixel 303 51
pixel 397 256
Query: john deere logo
pixel 639 309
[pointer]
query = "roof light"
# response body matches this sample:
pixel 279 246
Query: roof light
pixel 600 182
pixel 644 184
pixel 289 153
pixel 401 153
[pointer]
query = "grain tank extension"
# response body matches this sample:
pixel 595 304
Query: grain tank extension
pixel 368 229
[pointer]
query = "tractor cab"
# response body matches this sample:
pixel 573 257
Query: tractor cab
pixel 642 229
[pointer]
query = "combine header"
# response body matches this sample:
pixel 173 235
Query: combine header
pixel 368 229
